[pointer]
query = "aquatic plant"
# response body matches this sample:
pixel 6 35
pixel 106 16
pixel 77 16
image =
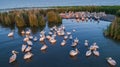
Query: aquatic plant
pixel 114 29
pixel 53 17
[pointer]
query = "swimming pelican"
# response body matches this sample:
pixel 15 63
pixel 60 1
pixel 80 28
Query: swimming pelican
pixel 13 57
pixel 68 33
pixel 26 39
pixel 28 32
pixel 44 47
pixel 65 37
pixel 111 61
pixel 70 37
pixel 22 32
pixel 95 52
pixel 74 30
pixel 74 44
pixel 35 39
pixel 48 37
pixel 28 49
pixel 50 33
pixel 63 43
pixel 11 34
pixel 86 44
pixel 30 37
pixel 52 40
pixel 74 52
pixel 76 40
pixel 88 53
pixel 23 47
pixel 28 55
pixel 29 42
pixel 42 38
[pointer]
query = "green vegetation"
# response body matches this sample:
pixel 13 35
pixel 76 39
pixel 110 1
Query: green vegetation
pixel 114 29
pixel 23 18
pixel 53 17
pixel 106 9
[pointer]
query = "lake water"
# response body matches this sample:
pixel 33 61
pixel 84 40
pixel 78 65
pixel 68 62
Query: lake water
pixel 58 56
pixel 46 3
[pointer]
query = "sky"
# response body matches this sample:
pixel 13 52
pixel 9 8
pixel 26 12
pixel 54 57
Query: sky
pixel 45 3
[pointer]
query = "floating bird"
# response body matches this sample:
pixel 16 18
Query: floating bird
pixel 74 52
pixel 111 61
pixel 29 42
pixel 70 37
pixel 35 39
pixel 74 44
pixel 63 43
pixel 65 37
pixel 28 55
pixel 30 37
pixel 95 52
pixel 88 53
pixel 44 47
pixel 13 57
pixel 11 34
pixel 22 32
pixel 28 49
pixel 52 40
pixel 76 40
pixel 23 47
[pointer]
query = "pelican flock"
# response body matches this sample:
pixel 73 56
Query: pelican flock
pixel 51 37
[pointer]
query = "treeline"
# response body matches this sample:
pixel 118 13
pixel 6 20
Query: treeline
pixel 32 18
pixel 114 29
pixel 106 9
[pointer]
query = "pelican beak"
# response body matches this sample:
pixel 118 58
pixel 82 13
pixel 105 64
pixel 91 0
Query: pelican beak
pixel 16 52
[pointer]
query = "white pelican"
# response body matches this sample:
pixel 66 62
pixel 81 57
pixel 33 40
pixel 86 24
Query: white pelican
pixel 111 61
pixel 13 57
pixel 48 37
pixel 70 37
pixel 95 52
pixel 25 39
pixel 28 55
pixel 52 40
pixel 74 44
pixel 28 32
pixel 42 38
pixel 35 39
pixel 10 34
pixel 74 52
pixel 30 37
pixel 22 32
pixel 86 44
pixel 95 45
pixel 29 42
pixel 50 33
pixel 51 29
pixel 23 47
pixel 63 43
pixel 76 40
pixel 28 48
pixel 44 47
pixel 74 30
pixel 65 37
pixel 88 53
pixel 68 33
pixel 86 41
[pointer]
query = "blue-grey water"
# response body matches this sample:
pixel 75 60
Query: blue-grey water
pixel 46 3
pixel 58 56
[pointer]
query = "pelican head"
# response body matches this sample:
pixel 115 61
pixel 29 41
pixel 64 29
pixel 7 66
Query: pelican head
pixel 14 52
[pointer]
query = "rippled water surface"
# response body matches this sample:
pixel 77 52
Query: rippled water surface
pixel 58 56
